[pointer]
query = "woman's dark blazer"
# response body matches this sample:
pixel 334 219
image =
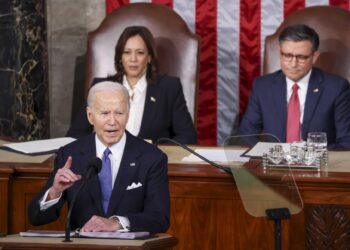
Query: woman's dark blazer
pixel 165 114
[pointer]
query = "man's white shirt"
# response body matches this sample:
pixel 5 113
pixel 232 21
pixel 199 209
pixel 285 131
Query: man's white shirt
pixel 302 91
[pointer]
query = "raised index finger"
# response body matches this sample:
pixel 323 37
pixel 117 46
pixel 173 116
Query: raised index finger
pixel 67 173
pixel 68 163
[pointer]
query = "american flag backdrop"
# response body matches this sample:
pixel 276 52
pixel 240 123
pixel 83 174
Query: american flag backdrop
pixel 232 40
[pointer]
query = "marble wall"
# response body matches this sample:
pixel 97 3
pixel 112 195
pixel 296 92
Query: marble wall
pixel 68 23
pixel 23 70
pixel 42 48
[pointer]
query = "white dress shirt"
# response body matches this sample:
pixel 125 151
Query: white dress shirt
pixel 117 151
pixel 302 91
pixel 137 95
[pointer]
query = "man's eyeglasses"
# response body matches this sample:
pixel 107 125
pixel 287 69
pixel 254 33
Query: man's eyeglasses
pixel 300 58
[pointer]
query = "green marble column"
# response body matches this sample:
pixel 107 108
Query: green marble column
pixel 23 70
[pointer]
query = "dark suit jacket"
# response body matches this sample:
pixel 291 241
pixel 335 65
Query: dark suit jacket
pixel 327 108
pixel 165 114
pixel 147 207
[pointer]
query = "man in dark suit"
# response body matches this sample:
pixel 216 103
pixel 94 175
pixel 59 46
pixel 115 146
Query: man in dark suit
pixel 299 98
pixel 131 191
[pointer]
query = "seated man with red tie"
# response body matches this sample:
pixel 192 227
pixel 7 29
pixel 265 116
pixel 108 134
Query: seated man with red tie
pixel 299 98
pixel 130 192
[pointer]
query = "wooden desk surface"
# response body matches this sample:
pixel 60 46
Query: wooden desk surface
pixel 160 241
pixel 339 161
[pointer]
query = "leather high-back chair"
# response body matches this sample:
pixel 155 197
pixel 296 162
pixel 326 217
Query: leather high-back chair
pixel 332 25
pixel 177 46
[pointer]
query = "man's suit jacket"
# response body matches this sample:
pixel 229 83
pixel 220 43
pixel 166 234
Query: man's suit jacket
pixel 146 207
pixel 165 114
pixel 327 108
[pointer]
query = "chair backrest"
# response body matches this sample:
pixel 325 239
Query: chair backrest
pixel 333 26
pixel 177 46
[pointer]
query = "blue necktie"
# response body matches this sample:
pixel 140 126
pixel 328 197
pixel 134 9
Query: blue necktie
pixel 105 177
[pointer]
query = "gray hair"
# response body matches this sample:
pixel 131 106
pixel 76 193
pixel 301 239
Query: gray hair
pixel 107 86
pixel 300 32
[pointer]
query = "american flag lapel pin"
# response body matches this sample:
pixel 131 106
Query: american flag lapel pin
pixel 315 90
pixel 153 99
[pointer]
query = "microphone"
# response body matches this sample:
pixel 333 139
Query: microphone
pixel 93 168
pixel 164 139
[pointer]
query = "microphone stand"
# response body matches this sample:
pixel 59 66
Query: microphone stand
pixel 226 169
pixel 67 229
pixel 91 170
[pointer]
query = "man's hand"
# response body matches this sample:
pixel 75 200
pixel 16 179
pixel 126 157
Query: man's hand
pixel 100 224
pixel 64 179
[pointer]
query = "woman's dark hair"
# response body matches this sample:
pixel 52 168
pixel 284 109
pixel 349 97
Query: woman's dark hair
pixel 147 37
pixel 300 32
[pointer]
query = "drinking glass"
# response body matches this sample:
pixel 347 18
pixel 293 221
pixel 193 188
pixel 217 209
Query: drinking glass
pixel 276 154
pixel 318 140
pixel 293 156
pixel 310 156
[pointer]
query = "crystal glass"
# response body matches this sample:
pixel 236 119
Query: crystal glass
pixel 310 156
pixel 276 154
pixel 292 157
pixel 318 140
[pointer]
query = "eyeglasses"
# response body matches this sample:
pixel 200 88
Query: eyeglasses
pixel 300 58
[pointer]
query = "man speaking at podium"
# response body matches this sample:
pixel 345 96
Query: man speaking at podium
pixel 299 98
pixel 130 192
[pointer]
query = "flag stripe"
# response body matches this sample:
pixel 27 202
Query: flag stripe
pixel 111 5
pixel 345 4
pixel 187 10
pixel 140 1
pixel 271 18
pixel 168 3
pixel 309 3
pixel 291 6
pixel 249 65
pixel 206 28
pixel 227 62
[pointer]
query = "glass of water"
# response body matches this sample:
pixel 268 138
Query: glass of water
pixel 318 140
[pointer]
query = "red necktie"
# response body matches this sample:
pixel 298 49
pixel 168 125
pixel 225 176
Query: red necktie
pixel 293 116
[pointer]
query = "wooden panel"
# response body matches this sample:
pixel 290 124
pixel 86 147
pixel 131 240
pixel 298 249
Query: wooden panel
pixel 23 190
pixel 207 214
pixel 339 197
pixel 4 196
pixel 294 238
pixel 327 227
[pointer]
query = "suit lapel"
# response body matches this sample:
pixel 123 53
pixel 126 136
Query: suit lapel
pixel 152 99
pixel 279 93
pixel 88 152
pixel 128 166
pixel 314 92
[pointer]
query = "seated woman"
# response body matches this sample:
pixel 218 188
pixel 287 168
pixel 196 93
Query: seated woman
pixel 157 103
